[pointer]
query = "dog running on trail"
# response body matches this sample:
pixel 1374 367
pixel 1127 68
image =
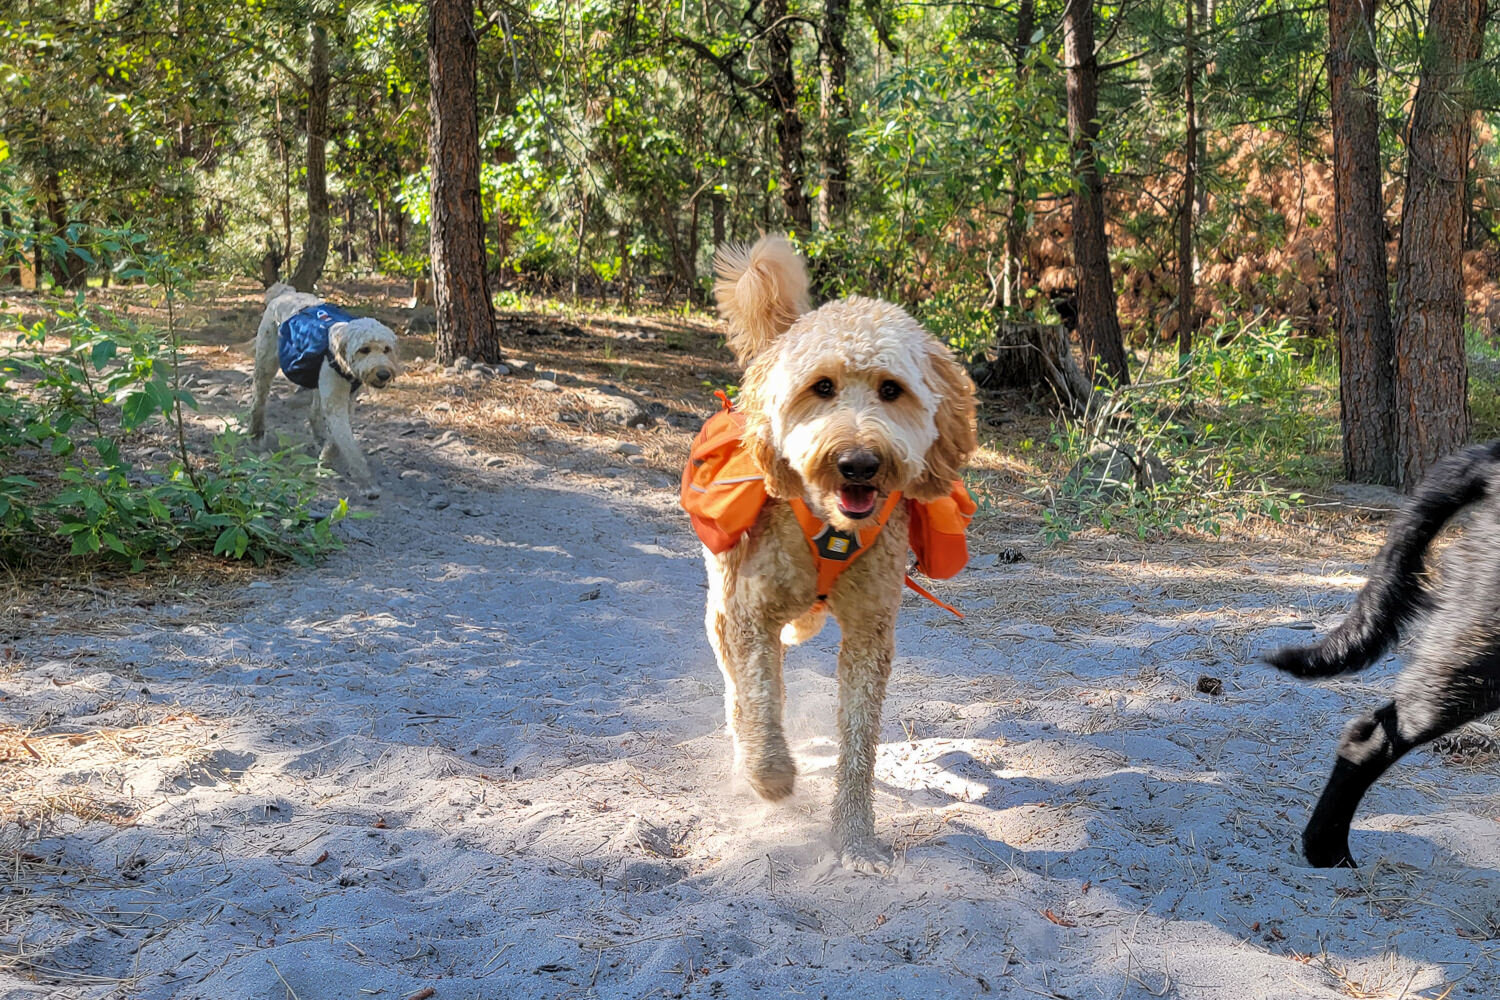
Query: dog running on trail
pixel 1453 673
pixel 843 451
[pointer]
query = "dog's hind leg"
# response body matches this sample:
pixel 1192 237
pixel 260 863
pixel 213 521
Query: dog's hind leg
pixel 1431 700
pixel 265 371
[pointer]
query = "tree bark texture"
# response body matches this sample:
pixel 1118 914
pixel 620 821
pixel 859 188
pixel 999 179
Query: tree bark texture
pixel 315 247
pixel 69 270
pixel 1367 342
pixel 782 84
pixel 1432 412
pixel 1186 291
pixel 833 197
pixel 1098 321
pixel 1015 222
pixel 465 314
pixel 12 274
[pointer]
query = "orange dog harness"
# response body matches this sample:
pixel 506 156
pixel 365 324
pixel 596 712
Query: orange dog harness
pixel 723 493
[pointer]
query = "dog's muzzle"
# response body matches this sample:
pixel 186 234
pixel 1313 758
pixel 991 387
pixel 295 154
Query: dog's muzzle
pixel 857 497
pixel 380 377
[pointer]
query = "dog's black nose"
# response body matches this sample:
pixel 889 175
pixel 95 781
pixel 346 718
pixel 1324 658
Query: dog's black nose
pixel 384 374
pixel 859 465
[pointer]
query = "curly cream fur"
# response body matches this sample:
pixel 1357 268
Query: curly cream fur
pixel 762 590
pixel 365 347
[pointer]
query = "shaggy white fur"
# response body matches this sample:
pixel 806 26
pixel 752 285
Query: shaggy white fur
pixel 366 348
pixel 844 405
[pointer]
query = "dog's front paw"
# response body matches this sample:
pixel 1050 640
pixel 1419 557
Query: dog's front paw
pixel 773 775
pixel 1327 852
pixel 867 856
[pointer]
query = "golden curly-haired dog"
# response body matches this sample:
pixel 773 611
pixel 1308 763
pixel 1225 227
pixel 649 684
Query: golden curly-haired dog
pixel 845 405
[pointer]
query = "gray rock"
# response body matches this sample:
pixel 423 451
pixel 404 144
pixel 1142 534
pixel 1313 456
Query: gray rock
pixel 500 370
pixel 636 459
pixel 493 461
pixel 617 409
pixel 439 502
pixel 628 448
pixel 546 385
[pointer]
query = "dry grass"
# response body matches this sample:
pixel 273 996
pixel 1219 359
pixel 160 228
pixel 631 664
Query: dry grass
pixel 86 774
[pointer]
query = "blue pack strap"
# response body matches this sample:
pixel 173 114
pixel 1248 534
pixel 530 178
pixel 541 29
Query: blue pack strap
pixel 302 343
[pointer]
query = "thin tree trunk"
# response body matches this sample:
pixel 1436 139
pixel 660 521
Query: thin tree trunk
pixel 286 180
pixel 837 115
pixel 315 247
pixel 1098 321
pixel 12 261
pixel 627 282
pixel 36 252
pixel 781 80
pixel 719 204
pixel 1367 342
pixel 68 271
pixel 1015 222
pixel 1186 320
pixel 465 314
pixel 1432 413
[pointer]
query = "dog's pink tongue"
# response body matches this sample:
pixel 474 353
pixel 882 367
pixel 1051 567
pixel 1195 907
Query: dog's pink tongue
pixel 857 499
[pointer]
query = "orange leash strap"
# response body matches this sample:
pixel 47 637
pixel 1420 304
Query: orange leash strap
pixel 914 585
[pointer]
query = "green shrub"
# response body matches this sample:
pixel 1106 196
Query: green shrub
pixel 1252 415
pixel 69 416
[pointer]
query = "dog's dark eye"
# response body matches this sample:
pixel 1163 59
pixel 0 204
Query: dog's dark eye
pixel 364 350
pixel 890 390
pixel 823 388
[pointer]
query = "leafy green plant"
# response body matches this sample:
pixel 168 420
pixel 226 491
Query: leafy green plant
pixel 80 390
pixel 1252 413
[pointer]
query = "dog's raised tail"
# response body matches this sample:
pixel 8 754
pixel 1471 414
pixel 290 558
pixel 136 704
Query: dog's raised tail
pixel 1394 594
pixel 761 290
pixel 277 290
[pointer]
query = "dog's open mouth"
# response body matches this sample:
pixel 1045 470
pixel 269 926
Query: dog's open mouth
pixel 857 501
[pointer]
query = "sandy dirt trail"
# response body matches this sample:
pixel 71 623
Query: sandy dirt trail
pixel 481 752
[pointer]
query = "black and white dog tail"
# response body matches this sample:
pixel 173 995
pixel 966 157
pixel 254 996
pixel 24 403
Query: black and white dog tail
pixel 1394 595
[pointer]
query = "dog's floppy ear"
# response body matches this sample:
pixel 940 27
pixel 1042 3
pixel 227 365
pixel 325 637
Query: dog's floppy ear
pixel 761 291
pixel 782 480
pixel 957 436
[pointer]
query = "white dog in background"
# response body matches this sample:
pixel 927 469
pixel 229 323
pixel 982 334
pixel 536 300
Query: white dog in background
pixel 320 346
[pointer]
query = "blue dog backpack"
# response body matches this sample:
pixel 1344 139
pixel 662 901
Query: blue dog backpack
pixel 302 342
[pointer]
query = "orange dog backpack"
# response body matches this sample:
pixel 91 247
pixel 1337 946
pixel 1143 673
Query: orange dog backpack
pixel 723 493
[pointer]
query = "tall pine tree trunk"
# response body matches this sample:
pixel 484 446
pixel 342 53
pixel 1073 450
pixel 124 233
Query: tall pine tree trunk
pixel 1098 321
pixel 315 247
pixel 465 315
pixel 1432 412
pixel 1186 291
pixel 782 83
pixel 1367 342
pixel 834 194
pixel 1015 222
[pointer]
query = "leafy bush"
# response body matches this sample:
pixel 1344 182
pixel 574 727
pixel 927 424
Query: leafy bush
pixel 1254 411
pixel 70 415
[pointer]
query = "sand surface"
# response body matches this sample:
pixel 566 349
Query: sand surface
pixel 480 752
